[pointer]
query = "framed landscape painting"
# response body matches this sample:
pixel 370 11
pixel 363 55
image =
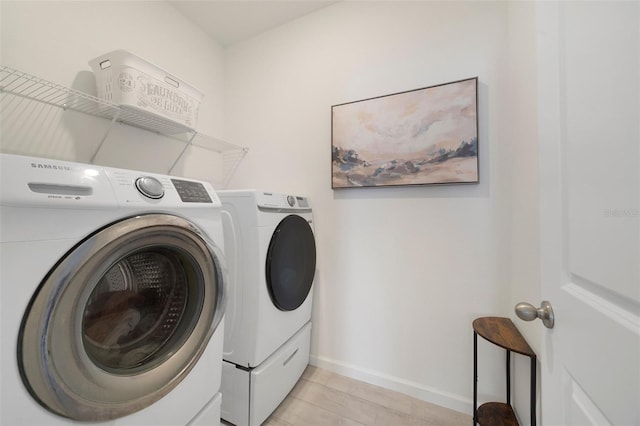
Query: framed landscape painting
pixel 419 137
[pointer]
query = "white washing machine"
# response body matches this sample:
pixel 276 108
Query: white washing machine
pixel 113 290
pixel 271 254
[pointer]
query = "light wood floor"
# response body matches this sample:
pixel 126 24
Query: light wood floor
pixel 323 398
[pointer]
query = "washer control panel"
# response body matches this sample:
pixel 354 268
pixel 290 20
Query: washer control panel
pixel 191 192
pixel 150 187
pixel 63 184
pixel 134 188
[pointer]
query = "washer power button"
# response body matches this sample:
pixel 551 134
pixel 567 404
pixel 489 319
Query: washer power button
pixel 150 187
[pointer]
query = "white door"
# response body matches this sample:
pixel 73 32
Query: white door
pixel 589 130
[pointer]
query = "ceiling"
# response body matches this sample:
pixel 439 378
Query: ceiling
pixel 232 21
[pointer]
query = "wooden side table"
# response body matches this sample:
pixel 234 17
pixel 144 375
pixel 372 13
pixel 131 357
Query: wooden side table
pixel 501 332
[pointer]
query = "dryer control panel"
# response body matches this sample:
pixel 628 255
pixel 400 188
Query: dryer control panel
pixel 274 200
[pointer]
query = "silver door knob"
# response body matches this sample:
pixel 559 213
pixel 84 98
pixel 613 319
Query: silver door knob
pixel 528 312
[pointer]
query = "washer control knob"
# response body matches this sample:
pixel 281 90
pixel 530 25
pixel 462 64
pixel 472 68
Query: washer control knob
pixel 291 200
pixel 150 187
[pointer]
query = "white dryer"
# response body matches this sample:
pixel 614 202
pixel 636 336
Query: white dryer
pixel 112 296
pixel 271 254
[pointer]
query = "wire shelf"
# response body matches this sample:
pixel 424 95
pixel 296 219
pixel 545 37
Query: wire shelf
pixel 21 84
pixel 14 83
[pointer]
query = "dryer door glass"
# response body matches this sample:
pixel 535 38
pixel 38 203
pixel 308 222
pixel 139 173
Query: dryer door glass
pixel 122 318
pixel 291 263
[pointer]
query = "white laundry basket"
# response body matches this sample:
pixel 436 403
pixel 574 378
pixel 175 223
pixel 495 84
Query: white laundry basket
pixel 125 79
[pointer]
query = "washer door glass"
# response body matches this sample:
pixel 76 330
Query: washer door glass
pixel 291 263
pixel 122 319
pixel 141 309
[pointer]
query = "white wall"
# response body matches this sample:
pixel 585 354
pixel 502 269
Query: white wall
pixel 55 40
pixel 402 272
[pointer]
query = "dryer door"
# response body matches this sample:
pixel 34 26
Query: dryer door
pixel 122 318
pixel 291 263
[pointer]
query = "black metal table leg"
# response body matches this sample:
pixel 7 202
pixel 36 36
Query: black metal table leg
pixel 533 391
pixel 475 378
pixel 508 377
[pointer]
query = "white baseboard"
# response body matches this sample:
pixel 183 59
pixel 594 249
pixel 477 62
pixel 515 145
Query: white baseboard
pixel 416 390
